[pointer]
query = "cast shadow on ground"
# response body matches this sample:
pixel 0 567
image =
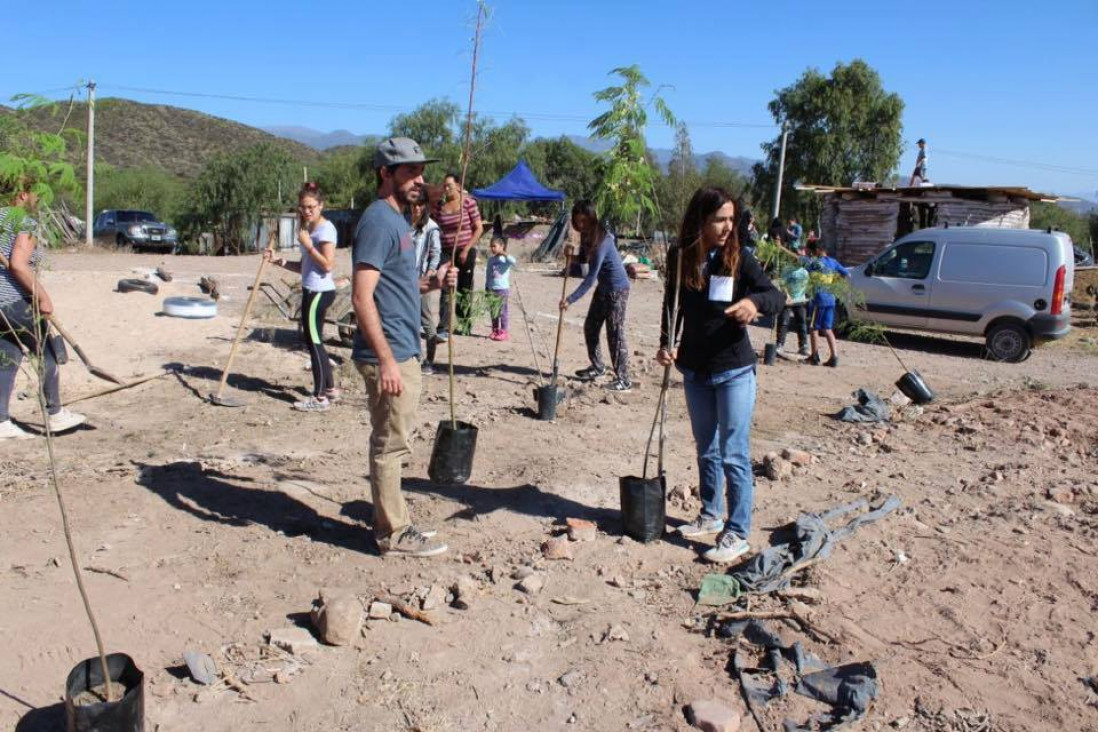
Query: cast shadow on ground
pixel 215 496
pixel 486 371
pixel 239 382
pixel 43 719
pixel 930 344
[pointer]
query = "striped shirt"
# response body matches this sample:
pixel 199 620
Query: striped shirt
pixel 448 223
pixel 12 223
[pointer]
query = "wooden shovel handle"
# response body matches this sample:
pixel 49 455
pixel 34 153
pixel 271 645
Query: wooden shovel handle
pixel 247 311
pixel 560 317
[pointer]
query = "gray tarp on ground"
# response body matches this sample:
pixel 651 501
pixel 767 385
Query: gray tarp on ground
pixel 849 689
pixel 870 408
pixel 811 538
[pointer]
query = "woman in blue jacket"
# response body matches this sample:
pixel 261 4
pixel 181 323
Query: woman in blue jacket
pixel 609 301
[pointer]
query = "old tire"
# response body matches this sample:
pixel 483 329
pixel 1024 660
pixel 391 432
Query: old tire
pixel 135 285
pixel 347 327
pixel 1008 341
pixel 189 307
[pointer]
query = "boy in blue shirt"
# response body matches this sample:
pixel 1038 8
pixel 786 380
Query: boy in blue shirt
pixel 795 284
pixel 823 304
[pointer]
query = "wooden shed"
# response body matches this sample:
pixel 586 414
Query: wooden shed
pixel 859 222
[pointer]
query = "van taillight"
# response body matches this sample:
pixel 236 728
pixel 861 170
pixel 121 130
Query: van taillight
pixel 1058 290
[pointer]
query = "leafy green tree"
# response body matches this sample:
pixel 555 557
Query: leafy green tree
pixel 436 126
pixel 148 189
pixel 1092 228
pixel 1053 216
pixel 627 191
pixel 234 190
pixel 343 178
pixel 842 128
pixel 30 158
pixel 719 174
pixel 681 181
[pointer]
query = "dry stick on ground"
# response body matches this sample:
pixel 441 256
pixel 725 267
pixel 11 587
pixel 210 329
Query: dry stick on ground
pixel 57 487
pixel 410 612
pixel 466 153
pixel 113 389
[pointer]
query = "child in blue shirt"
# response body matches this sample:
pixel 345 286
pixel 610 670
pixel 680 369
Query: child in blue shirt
pixel 498 282
pixel 823 304
pixel 795 284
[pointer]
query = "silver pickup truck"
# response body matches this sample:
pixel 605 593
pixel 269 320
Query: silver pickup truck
pixel 140 230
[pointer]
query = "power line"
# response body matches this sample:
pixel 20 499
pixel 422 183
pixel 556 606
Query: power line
pixel 539 116
pixel 1051 167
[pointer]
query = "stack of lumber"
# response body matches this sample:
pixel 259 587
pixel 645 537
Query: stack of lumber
pixel 862 227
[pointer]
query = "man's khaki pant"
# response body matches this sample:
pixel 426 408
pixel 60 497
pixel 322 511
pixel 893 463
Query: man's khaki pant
pixel 390 443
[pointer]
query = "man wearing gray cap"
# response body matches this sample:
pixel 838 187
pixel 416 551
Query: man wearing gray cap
pixel 386 297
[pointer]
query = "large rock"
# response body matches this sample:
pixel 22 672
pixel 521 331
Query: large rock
pixel 713 716
pixel 465 592
pixel 581 530
pixel 778 468
pixel 798 457
pixel 557 548
pixel 435 598
pixel 337 618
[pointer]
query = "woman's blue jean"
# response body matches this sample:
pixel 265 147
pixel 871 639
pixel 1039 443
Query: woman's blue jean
pixel 720 407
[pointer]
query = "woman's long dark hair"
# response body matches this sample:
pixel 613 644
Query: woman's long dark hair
pixel 704 203
pixel 585 207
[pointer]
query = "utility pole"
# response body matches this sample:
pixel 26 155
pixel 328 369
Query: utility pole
pixel 89 191
pixel 781 173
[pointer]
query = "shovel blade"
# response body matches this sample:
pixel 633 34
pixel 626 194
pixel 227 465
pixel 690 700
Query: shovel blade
pixel 226 401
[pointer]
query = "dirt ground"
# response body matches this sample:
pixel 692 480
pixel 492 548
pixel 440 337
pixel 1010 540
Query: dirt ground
pixel 206 527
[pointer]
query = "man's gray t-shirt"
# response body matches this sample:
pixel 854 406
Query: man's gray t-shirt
pixel 383 241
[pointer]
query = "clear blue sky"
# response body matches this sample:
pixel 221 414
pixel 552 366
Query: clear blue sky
pixel 1011 80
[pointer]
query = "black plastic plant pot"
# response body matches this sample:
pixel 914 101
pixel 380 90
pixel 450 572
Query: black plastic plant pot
pixel 643 507
pixel 549 398
pixel 452 456
pixel 914 388
pixel 124 715
pixel 770 354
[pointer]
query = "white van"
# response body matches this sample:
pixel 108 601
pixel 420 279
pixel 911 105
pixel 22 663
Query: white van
pixel 1012 286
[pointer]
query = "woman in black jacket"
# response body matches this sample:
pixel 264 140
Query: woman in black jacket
pixel 719 291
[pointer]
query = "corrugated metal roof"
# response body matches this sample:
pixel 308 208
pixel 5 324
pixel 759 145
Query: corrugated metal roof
pixel 921 191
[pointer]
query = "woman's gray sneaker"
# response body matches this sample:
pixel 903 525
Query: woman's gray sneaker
pixel 701 526
pixel 411 543
pixel 729 548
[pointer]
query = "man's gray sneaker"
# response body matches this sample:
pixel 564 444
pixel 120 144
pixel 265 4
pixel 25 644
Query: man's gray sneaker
pixel 411 543
pixel 729 548
pixel 701 526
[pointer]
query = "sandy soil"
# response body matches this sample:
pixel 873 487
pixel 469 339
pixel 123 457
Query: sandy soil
pixel 977 599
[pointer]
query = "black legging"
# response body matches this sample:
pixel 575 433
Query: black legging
pixel 314 308
pixel 29 332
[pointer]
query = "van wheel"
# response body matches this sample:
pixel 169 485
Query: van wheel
pixel 1008 342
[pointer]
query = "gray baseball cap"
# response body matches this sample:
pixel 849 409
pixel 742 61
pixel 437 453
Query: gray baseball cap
pixel 399 151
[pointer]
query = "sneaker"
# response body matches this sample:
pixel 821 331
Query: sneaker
pixel 313 404
pixel 494 335
pixel 65 420
pixel 427 368
pixel 620 385
pixel 833 362
pixel 442 336
pixel 503 336
pixel 701 526
pixel 813 359
pixel 333 395
pixel 412 543
pixel 729 548
pixel 803 351
pixel 590 373
pixel 11 431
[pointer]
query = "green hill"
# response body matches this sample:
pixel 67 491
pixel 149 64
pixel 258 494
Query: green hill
pixel 130 134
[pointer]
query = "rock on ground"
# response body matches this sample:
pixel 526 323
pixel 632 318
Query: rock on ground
pixel 337 618
pixel 292 640
pixel 713 716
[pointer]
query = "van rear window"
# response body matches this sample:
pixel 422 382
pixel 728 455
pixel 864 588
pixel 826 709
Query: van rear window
pixel 988 264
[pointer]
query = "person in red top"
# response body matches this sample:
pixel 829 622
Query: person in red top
pixel 448 214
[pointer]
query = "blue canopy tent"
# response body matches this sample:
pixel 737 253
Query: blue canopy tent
pixel 518 185
pixel 521 185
